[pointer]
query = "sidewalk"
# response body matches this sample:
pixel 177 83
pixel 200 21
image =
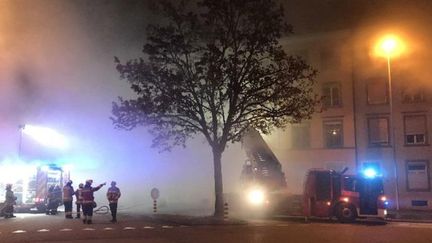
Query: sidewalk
pixel 424 216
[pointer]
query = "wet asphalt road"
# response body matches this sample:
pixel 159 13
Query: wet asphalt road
pixel 42 228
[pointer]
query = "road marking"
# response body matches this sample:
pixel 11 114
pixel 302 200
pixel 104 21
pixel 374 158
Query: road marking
pixel 148 227
pixel 19 231
pixel 129 228
pixel 43 230
pixel 88 229
pixel 167 227
pixel 64 230
pixel 108 228
pixel 413 225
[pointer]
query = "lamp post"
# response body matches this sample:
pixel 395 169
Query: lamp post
pixel 390 46
pixel 21 128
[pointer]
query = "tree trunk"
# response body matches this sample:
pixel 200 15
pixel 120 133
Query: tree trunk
pixel 219 203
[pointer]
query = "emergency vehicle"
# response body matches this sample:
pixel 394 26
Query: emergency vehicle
pixel 31 183
pixel 327 193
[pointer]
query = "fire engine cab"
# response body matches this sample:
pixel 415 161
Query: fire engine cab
pixel 31 183
pixel 328 193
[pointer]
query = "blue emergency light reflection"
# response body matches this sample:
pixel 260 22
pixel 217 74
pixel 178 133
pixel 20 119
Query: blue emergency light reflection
pixel 370 173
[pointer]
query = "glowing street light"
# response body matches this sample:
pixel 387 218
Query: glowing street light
pixel 43 135
pixel 391 46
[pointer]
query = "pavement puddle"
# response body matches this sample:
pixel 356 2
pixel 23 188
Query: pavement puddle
pixel 89 229
pixel 129 228
pixel 108 228
pixel 167 227
pixel 43 230
pixel 65 230
pixel 148 227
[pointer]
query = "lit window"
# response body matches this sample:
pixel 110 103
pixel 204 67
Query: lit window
pixel 378 130
pixel 333 135
pixel 415 130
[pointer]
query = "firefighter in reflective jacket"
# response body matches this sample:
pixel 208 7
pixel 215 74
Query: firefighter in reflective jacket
pixel 79 200
pixel 113 194
pixel 10 201
pixel 68 193
pixel 88 200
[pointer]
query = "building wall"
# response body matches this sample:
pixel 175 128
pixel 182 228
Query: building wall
pixel 355 68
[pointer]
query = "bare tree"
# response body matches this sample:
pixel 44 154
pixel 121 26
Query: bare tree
pixel 215 68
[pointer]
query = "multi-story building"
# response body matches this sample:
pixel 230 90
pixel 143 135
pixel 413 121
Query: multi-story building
pixel 353 127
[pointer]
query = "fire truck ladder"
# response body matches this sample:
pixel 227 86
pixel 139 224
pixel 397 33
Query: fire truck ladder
pixel 262 165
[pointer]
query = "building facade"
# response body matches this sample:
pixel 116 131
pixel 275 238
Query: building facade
pixel 357 124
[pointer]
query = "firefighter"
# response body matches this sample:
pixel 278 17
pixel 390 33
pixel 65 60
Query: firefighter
pixel 50 200
pixel 79 200
pixel 113 194
pixel 10 201
pixel 57 198
pixel 88 202
pixel 68 192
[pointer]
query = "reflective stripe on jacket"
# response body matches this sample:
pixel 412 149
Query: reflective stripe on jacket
pixel 87 193
pixel 68 192
pixel 113 194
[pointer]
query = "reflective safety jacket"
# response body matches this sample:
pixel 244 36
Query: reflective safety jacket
pixel 68 192
pixel 10 198
pixel 113 194
pixel 78 195
pixel 87 193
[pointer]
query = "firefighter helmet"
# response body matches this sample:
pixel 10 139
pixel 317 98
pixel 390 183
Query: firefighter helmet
pixel 81 185
pixel 8 186
pixel 89 181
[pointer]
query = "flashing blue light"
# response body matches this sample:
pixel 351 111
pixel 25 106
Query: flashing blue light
pixel 386 203
pixel 370 173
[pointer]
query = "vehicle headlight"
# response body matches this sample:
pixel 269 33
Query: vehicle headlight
pixel 256 196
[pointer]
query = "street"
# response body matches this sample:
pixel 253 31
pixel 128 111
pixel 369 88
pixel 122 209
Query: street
pixel 42 228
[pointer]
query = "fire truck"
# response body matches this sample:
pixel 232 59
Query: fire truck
pixel 327 193
pixel 31 183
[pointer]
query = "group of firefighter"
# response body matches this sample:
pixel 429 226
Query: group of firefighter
pixel 84 200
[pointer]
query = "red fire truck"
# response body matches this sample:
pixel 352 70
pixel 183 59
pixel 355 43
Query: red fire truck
pixel 31 183
pixel 328 193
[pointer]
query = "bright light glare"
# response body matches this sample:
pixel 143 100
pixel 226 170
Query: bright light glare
pixel 370 173
pixel 389 46
pixel 256 197
pixel 46 136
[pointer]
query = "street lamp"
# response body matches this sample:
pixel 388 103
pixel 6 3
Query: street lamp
pixel 21 128
pixel 390 46
pixel 43 135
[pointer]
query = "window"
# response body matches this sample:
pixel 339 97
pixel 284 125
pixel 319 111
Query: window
pixel 378 130
pixel 331 95
pixel 333 135
pixel 300 134
pixel 418 175
pixel 415 130
pixel 416 95
pixel 377 92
